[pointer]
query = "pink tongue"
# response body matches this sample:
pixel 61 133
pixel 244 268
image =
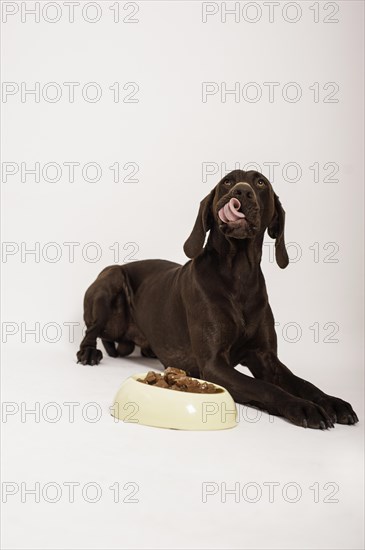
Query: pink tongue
pixel 229 212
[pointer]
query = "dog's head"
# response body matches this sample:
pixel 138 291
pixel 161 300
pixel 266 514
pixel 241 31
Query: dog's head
pixel 241 206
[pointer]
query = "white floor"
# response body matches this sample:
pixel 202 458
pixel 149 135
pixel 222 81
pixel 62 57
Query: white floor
pixel 170 472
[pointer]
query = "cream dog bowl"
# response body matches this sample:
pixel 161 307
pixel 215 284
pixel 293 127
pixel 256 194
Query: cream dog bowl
pixel 140 403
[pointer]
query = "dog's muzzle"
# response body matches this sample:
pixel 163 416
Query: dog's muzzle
pixel 230 212
pixel 239 211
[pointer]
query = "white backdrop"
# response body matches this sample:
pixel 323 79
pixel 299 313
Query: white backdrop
pixel 118 117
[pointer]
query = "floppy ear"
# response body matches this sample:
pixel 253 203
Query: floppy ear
pixel 276 231
pixel 194 244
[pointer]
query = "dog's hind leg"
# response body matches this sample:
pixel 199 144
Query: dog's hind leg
pixel 110 348
pixel 106 314
pixel 147 352
pixel 96 320
pixel 125 348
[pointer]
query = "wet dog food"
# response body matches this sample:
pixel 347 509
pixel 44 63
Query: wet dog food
pixel 176 379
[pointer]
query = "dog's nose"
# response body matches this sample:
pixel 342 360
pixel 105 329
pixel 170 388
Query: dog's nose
pixel 243 191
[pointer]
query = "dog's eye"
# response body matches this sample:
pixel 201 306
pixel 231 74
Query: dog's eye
pixel 227 182
pixel 261 183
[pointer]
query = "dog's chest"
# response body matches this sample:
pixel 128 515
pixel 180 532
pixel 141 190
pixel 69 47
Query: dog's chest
pixel 247 314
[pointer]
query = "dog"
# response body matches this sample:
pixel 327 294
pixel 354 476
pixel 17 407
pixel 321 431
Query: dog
pixel 212 314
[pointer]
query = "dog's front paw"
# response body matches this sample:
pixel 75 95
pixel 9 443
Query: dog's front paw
pixel 89 356
pixel 340 411
pixel 307 414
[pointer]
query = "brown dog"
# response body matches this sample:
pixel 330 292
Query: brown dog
pixel 212 313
